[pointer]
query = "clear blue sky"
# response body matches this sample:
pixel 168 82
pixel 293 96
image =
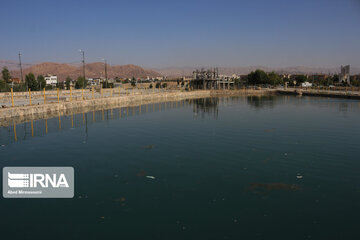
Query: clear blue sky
pixel 169 33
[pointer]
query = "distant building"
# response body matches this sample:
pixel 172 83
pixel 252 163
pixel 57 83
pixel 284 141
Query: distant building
pixel 15 80
pixel 94 81
pixel 51 80
pixel 306 84
pixel 344 75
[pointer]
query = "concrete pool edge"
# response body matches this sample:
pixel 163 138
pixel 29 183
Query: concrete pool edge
pixel 9 116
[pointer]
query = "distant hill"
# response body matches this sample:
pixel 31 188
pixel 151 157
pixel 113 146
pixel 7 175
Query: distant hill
pixel 92 70
pixel 12 65
pixel 187 71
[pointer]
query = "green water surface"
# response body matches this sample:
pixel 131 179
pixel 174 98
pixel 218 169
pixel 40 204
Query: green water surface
pixel 222 168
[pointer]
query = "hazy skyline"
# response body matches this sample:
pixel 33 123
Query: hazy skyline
pixel 158 34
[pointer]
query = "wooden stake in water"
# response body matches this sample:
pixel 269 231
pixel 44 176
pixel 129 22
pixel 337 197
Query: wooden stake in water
pixel 44 97
pixel 12 97
pixel 70 94
pixel 58 96
pixel 92 92
pixel 30 96
pixel 46 126
pixel 32 128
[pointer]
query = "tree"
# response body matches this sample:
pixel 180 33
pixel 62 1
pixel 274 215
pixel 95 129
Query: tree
pixel 31 82
pixel 4 87
pixel 68 82
pixel 133 81
pixel 80 83
pixel 258 77
pixel 300 79
pixel 274 79
pixel 41 81
pixel 6 75
pixel 335 78
pixel 60 85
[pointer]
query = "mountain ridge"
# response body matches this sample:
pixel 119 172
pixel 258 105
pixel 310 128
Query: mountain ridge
pixel 92 70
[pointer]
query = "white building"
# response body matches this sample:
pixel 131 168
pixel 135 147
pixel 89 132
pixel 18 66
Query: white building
pixel 306 84
pixel 51 80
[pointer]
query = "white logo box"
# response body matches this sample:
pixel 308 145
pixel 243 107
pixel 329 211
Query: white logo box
pixel 38 182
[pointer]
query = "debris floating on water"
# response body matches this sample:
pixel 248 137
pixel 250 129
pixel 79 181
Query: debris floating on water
pixel 151 177
pixel 299 176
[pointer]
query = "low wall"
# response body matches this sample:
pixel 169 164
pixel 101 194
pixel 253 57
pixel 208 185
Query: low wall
pixel 12 115
pixel 328 94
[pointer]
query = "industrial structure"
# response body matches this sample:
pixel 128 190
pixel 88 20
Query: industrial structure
pixel 344 75
pixel 209 79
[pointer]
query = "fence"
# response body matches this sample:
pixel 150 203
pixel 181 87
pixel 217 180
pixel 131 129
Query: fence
pixel 13 99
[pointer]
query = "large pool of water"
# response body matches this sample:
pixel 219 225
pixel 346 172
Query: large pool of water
pixel 276 167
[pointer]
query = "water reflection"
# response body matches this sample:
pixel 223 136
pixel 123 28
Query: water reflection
pixel 261 101
pixel 206 106
pixel 15 132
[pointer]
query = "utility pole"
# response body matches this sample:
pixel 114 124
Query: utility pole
pixel 21 72
pixel 106 78
pixel 105 68
pixel 83 61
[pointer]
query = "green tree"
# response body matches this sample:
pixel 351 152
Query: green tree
pixel 133 81
pixel 300 79
pixel 60 85
pixel 274 79
pixel 4 87
pixel 81 82
pixel 335 78
pixel 258 77
pixel 31 82
pixel 6 75
pixel 41 81
pixel 68 82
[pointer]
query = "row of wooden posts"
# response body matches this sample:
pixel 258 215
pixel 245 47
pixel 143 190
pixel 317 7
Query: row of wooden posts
pixel 82 94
